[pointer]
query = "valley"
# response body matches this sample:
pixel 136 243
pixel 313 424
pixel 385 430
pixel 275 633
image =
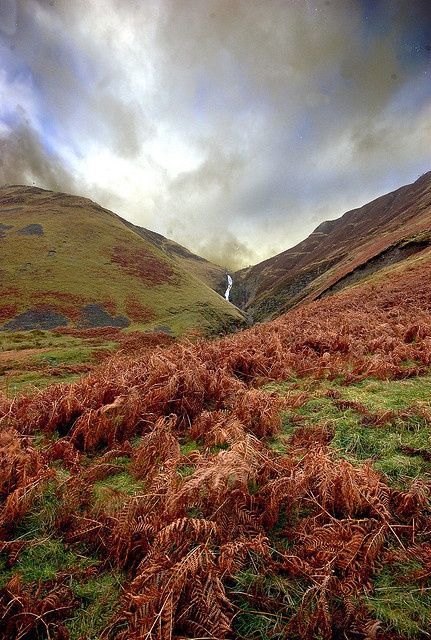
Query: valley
pixel 159 482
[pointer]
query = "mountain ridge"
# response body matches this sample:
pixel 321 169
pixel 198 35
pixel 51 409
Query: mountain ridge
pixel 338 253
pixel 335 249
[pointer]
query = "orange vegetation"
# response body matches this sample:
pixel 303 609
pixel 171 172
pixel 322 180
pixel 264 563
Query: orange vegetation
pixel 139 312
pixel 142 264
pixel 7 311
pixel 181 540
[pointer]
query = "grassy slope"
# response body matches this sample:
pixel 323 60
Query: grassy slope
pixel 211 274
pixel 339 248
pixel 73 263
pixel 35 359
pixel 361 418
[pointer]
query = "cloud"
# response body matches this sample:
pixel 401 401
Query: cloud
pixel 8 15
pixel 231 126
pixel 228 251
pixel 23 160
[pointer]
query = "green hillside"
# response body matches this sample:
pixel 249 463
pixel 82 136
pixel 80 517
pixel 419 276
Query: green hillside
pixel 66 261
pixel 211 274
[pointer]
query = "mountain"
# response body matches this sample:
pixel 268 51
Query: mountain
pixel 64 260
pixel 211 274
pixel 339 252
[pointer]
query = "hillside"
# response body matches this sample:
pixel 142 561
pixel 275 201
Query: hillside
pixel 211 274
pixel 66 261
pixel 339 252
pixel 270 484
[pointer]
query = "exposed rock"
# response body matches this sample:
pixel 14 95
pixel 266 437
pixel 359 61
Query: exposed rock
pixel 42 318
pixel 162 328
pixel 31 230
pixel 4 228
pixel 360 241
pixel 94 315
pixel 386 258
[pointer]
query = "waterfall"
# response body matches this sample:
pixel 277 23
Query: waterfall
pixel 229 287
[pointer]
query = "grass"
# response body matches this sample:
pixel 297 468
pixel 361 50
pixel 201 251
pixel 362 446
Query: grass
pixel 47 556
pixel 182 302
pixel 15 384
pixel 43 560
pixel 99 597
pixel 70 355
pixel 251 624
pixel 403 608
pixel 249 589
pixel 384 445
pixel 110 492
pixel 36 359
pixel 401 605
pixel 35 339
pixel 188 447
pixel 38 522
pixel 186 470
pixel 393 394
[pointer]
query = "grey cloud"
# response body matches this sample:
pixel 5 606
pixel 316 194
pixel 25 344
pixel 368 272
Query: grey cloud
pixel 78 82
pixel 23 160
pixel 304 64
pixel 8 16
pixel 228 251
pixel 218 173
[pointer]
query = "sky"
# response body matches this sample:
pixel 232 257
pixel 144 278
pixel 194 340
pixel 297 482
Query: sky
pixel 231 126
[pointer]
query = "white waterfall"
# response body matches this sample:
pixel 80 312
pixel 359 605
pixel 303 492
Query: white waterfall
pixel 229 287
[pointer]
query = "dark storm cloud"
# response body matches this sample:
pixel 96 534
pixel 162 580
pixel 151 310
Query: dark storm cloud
pixel 231 125
pixel 320 83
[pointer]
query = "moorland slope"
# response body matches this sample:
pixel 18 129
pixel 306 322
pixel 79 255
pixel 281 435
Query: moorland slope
pixel 66 261
pixel 339 252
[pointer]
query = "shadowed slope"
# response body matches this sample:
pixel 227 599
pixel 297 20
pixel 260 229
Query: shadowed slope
pixel 211 274
pixel 384 231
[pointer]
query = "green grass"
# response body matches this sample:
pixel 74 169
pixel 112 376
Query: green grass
pixel 20 372
pixel 35 339
pixel 318 410
pixel 182 303
pixel 188 446
pixel 403 607
pixel 47 555
pixel 186 470
pixel 99 598
pixel 16 384
pixel 383 445
pixel 391 394
pixel 111 491
pixel 42 560
pixel 39 520
pixel 71 355
pixel 122 482
pixel 253 623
